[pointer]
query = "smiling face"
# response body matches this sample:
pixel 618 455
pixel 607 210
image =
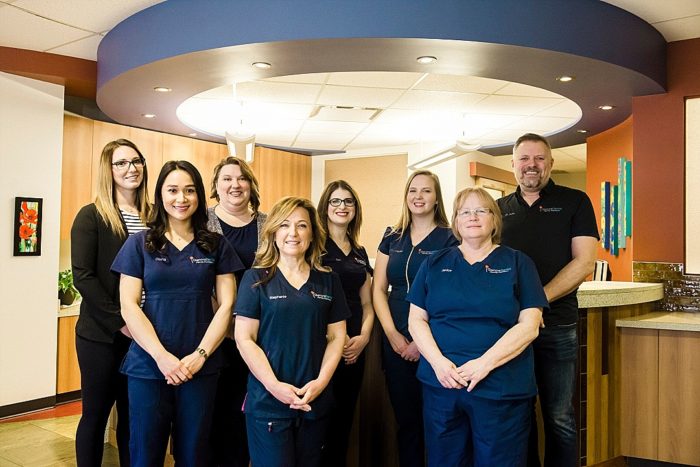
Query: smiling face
pixel 233 188
pixel 131 177
pixel 421 197
pixel 532 164
pixel 474 219
pixel 179 196
pixel 294 234
pixel 343 214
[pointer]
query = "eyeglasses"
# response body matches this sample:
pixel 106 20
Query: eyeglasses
pixel 335 202
pixel 123 164
pixel 478 212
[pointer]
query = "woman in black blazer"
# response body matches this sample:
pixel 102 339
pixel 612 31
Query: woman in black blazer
pixel 121 208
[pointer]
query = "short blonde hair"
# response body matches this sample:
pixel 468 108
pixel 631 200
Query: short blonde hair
pixel 247 172
pixel 440 217
pixel 268 254
pixel 488 202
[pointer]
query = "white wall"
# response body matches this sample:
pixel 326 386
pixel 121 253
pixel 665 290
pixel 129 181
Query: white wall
pixel 31 139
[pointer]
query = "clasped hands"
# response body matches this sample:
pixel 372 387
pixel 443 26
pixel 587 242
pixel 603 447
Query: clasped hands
pixel 467 376
pixel 297 398
pixel 178 371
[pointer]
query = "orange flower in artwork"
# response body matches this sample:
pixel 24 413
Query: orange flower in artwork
pixel 30 216
pixel 25 232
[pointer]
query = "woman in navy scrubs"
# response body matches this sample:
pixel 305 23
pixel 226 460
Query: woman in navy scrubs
pixel 422 231
pixel 172 366
pixel 475 309
pixel 102 339
pixel 237 218
pixel 290 330
pixel 340 213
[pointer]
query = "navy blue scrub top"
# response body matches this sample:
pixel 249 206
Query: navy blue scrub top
pixel 471 306
pixel 352 270
pixel 404 261
pixel 244 240
pixel 178 287
pixel 292 333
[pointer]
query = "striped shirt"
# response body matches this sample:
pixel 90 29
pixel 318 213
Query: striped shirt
pixel 133 222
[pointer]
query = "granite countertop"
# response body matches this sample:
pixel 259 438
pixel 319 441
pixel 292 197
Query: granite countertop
pixel 596 294
pixel 666 320
pixel 70 310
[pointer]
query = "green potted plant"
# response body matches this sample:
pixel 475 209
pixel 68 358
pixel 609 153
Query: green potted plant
pixel 67 292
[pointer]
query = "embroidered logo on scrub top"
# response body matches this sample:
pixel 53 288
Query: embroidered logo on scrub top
pixel 491 270
pixel 161 259
pixel 426 252
pixel 447 270
pixel 507 214
pixel 277 297
pixel 543 209
pixel 327 298
pixel 360 261
pixel 201 260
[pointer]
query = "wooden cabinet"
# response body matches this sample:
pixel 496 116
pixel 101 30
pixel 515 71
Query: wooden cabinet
pixel 67 370
pixel 660 387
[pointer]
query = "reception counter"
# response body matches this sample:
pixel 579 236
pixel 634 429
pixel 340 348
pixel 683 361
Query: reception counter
pixel 598 402
pixel 660 386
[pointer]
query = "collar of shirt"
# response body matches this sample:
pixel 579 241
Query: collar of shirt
pixel 546 190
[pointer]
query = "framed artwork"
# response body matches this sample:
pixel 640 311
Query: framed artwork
pixel 27 233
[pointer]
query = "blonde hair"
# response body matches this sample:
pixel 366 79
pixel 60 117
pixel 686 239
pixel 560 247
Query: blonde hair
pixel 488 202
pixel 247 172
pixel 106 202
pixel 355 223
pixel 439 215
pixel 268 254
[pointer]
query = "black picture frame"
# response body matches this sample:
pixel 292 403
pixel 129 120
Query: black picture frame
pixel 27 226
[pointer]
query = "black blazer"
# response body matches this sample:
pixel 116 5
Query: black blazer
pixel 93 248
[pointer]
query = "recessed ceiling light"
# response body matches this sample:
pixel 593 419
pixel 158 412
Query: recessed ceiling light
pixel 262 65
pixel 161 89
pixel 425 59
pixel 606 107
pixel 148 115
pixel 582 131
pixel 565 78
pixel 191 134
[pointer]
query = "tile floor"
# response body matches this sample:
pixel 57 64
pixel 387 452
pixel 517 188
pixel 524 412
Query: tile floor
pixel 47 439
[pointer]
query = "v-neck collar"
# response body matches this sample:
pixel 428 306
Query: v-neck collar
pixel 337 247
pixel 476 263
pixel 176 248
pixel 301 288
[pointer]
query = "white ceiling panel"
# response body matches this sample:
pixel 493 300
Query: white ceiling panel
pixel 680 29
pixel 358 97
pixel 566 108
pixel 504 135
pixel 83 48
pixel 268 110
pixel 331 138
pixel 348 128
pixel 489 121
pixel 511 105
pixel 310 78
pixel 375 79
pixel 26 31
pixel 468 84
pixel 265 91
pixel 517 89
pixel 654 11
pixel 540 124
pixel 438 100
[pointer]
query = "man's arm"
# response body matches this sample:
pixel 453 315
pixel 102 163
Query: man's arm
pixel 583 250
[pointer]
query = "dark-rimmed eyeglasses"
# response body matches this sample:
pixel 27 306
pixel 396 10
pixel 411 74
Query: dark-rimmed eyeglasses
pixel 335 202
pixel 123 164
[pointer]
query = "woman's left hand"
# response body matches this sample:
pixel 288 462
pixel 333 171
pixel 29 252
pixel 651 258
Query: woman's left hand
pixel 411 352
pixel 311 391
pixel 353 348
pixel 194 362
pixel 474 371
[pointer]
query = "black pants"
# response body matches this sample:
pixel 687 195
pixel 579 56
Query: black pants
pixel 228 436
pixel 345 385
pixel 102 385
pixel 406 395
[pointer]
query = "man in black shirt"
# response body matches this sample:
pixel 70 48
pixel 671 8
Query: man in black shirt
pixel 556 227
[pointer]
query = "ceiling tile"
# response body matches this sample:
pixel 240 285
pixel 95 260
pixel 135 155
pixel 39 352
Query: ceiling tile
pixel 375 79
pixel 266 91
pixel 680 29
pixel 275 110
pixel 310 78
pixel 541 124
pixel 83 48
pixel 655 11
pixel 489 121
pixel 306 137
pixel 438 100
pixel 517 89
pixel 358 97
pixel 565 108
pixel 347 128
pixel 26 31
pixel 467 84
pixel 93 15
pixel 511 105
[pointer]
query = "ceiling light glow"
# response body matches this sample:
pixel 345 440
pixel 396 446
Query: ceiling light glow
pixel 565 78
pixel 162 89
pixel 606 107
pixel 582 131
pixel 262 65
pixel 148 115
pixel 425 59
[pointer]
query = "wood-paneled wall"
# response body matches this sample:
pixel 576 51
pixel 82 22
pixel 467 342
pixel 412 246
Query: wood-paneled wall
pixel 67 370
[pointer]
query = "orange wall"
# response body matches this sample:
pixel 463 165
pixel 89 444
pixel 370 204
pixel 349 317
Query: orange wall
pixel 658 223
pixel 604 149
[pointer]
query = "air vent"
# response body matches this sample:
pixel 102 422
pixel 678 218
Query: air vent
pixel 342 113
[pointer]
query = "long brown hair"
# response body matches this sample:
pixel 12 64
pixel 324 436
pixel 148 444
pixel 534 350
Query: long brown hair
pixel 439 214
pixel 355 223
pixel 106 202
pixel 268 254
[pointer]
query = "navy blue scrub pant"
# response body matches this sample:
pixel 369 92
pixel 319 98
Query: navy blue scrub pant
pixel 463 430
pixel 156 408
pixel 406 398
pixel 287 442
pixel 228 437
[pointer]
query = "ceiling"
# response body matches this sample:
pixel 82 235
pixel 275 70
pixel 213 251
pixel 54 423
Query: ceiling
pixel 345 110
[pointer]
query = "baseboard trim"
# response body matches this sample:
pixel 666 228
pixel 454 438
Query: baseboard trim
pixel 20 408
pixel 69 397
